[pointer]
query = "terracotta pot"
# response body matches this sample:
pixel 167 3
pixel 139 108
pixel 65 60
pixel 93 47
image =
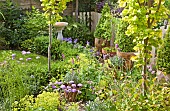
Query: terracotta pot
pixel 127 56
pixel 100 43
pixel 104 51
pixel 112 54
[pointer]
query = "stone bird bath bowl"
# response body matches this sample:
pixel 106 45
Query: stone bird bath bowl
pixel 60 26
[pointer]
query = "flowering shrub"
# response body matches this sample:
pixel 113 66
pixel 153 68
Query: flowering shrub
pixel 70 89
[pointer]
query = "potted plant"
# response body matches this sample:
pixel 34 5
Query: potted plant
pixel 163 57
pixel 125 42
pixel 125 49
pixel 109 50
pixel 103 32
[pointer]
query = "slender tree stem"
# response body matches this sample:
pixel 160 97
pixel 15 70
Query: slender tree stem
pixel 49 47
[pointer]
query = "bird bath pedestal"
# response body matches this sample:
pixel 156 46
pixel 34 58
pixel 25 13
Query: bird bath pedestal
pixel 60 26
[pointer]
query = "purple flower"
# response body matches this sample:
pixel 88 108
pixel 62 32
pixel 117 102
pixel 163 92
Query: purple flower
pixel 75 41
pixel 64 39
pixel 63 56
pixel 73 90
pixel 104 56
pixel 79 85
pixel 73 85
pixel 53 86
pixel 153 72
pixel 66 90
pixel 116 46
pixel 70 42
pixel 13 55
pixel 59 83
pixel 71 82
pixel 24 52
pixel 150 70
pixel 69 90
pixel 63 86
pixel 68 87
pixel 91 50
pixel 28 59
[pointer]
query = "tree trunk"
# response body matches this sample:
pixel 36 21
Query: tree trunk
pixel 49 47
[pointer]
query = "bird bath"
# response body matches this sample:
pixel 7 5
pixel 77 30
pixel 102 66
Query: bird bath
pixel 60 26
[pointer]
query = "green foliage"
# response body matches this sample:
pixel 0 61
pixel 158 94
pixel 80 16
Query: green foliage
pixel 104 26
pixel 116 62
pixel 40 45
pixel 11 28
pixel 47 101
pixel 125 42
pixel 53 9
pixel 19 77
pixel 142 18
pixel 163 58
pixel 73 107
pixel 128 97
pixel 167 4
pixel 78 31
pixel 100 105
pixel 35 24
pixel 3 44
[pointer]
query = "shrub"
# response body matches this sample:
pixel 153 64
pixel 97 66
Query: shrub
pixel 3 44
pixel 125 42
pixel 47 101
pixel 35 24
pixel 163 58
pixel 104 26
pixel 13 20
pixel 40 45
pixel 78 31
pixel 19 77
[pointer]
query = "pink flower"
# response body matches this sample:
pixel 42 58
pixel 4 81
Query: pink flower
pixel 79 85
pixel 150 70
pixel 63 86
pixel 28 59
pixel 71 82
pixel 73 90
pixel 24 52
pixel 73 85
pixel 28 52
pixel 116 46
pixel 153 72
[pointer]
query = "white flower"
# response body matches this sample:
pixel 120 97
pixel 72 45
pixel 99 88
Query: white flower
pixel 21 59
pixel 37 57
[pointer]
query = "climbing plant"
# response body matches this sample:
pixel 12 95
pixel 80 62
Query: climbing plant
pixel 142 16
